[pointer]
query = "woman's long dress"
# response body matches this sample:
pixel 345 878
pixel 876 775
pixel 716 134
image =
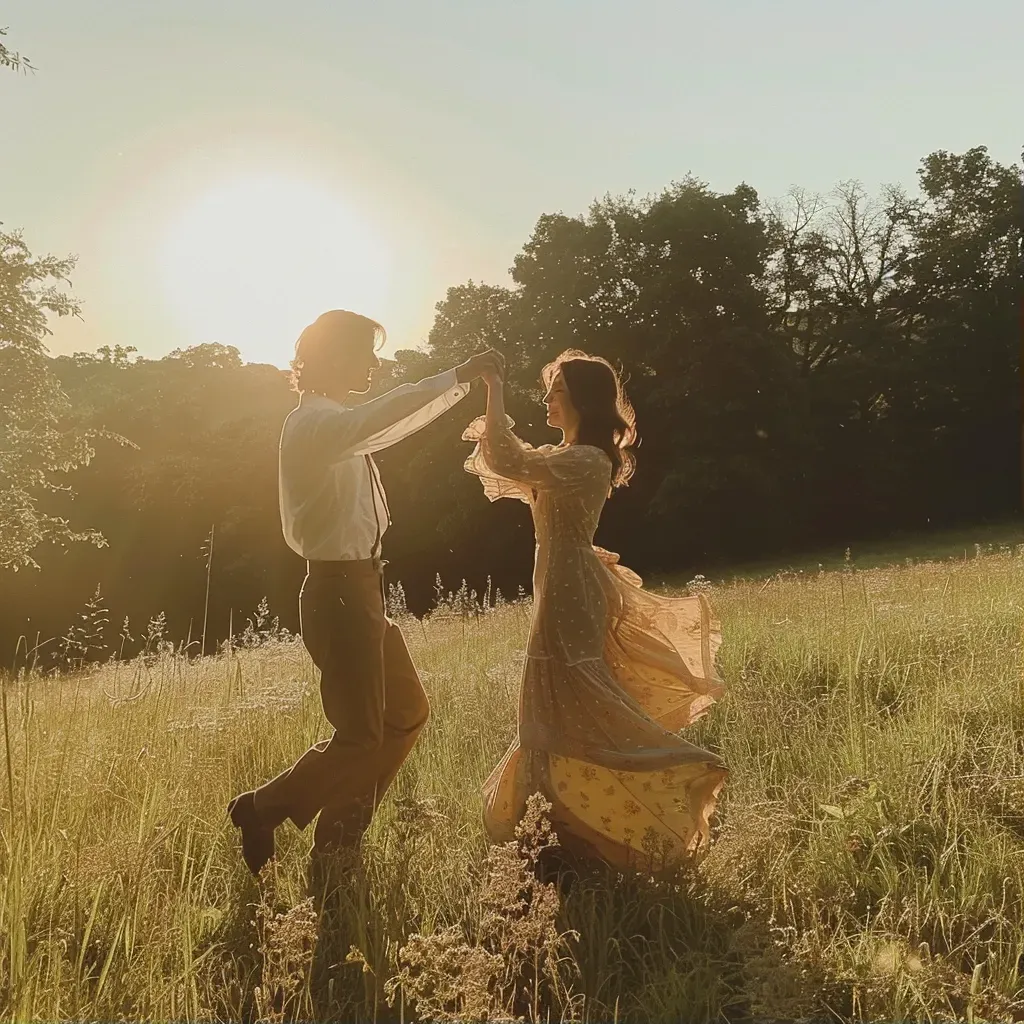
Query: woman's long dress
pixel 612 672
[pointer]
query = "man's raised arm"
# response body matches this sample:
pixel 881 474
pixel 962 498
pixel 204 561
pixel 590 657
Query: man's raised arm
pixel 402 411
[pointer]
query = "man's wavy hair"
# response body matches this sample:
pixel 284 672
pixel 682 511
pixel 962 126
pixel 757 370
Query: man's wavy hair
pixel 321 343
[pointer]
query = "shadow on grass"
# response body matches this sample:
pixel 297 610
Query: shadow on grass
pixel 343 987
pixel 650 950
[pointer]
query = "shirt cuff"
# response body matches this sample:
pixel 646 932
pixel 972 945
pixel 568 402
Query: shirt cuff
pixel 447 380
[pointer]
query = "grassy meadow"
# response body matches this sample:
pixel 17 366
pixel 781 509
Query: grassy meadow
pixel 867 863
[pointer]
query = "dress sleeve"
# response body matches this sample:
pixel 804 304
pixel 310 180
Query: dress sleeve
pixel 510 468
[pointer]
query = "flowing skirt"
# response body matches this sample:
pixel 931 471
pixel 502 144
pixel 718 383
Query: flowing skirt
pixel 598 738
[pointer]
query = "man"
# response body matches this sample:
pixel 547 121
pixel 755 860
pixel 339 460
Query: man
pixel 334 514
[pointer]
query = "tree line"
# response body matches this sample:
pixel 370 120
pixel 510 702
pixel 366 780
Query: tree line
pixel 815 370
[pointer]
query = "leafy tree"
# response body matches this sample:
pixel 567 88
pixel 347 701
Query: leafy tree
pixel 962 303
pixel 833 278
pixel 211 355
pixel 671 288
pixel 37 447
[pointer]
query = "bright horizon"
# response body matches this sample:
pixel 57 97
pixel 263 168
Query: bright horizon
pixel 225 177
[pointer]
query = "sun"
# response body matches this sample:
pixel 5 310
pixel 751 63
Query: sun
pixel 253 259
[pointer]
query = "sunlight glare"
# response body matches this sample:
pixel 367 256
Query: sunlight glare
pixel 255 259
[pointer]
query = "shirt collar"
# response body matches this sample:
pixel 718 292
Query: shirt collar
pixel 311 400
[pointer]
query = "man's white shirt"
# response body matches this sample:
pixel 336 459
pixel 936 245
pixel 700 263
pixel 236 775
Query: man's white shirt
pixel 332 501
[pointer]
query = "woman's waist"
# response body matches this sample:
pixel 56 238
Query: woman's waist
pixel 572 560
pixel 557 545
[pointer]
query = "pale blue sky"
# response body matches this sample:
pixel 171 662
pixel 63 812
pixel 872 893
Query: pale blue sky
pixel 372 154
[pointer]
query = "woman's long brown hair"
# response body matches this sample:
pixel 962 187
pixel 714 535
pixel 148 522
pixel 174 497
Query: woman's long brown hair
pixel 607 420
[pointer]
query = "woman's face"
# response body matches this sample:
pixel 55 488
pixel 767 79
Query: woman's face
pixel 561 412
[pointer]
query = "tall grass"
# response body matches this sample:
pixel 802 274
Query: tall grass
pixel 867 864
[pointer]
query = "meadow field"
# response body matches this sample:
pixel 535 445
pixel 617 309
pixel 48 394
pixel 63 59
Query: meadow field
pixel 867 861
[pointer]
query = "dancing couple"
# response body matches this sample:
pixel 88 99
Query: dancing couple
pixel 612 672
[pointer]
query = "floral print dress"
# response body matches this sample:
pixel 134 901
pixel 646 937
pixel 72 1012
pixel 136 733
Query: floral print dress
pixel 612 673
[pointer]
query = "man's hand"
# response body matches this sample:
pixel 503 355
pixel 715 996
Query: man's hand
pixel 484 364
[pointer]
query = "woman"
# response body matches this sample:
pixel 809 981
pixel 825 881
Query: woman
pixel 612 671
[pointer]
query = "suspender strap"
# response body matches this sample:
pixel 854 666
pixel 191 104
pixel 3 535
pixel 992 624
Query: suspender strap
pixel 375 490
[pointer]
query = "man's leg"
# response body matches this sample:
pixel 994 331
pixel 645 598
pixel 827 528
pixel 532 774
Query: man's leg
pixel 343 628
pixel 406 711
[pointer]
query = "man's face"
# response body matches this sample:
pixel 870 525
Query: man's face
pixel 355 366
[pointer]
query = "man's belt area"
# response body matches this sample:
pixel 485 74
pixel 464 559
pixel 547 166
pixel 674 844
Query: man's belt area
pixel 347 567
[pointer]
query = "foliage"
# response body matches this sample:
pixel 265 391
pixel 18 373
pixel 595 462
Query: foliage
pixel 517 965
pixel 817 371
pixel 37 444
pixel 11 59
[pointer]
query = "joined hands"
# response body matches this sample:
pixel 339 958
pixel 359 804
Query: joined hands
pixel 490 365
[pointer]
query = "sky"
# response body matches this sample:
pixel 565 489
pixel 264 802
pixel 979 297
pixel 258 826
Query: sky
pixel 226 170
